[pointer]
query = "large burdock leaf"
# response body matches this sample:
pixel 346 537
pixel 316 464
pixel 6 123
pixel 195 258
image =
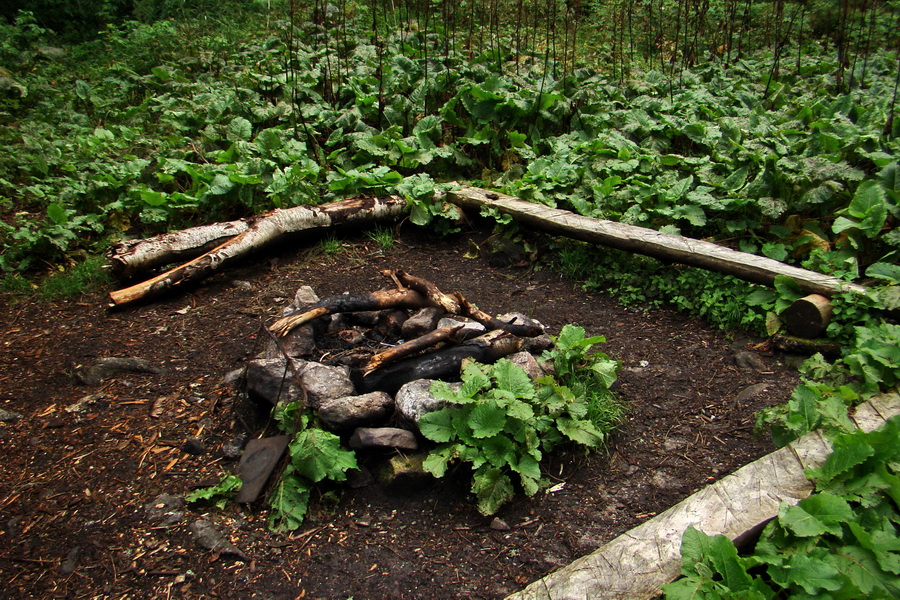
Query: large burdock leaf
pixel 239 129
pixel 317 454
pixel 492 489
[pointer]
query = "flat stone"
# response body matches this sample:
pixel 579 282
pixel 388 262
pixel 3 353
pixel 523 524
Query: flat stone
pixel 257 463
pixel 528 362
pixel 348 412
pixel 165 510
pixel 415 399
pixel 8 416
pixel 299 342
pixel 749 392
pixel 323 382
pixel 750 360
pixel 70 563
pixel 383 438
pixel 210 538
pixel 194 446
pixel 108 367
pixel 469 329
pixel 421 322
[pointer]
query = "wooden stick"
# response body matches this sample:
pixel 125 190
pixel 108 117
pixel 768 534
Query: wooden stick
pixel 425 287
pixel 392 355
pixel 378 300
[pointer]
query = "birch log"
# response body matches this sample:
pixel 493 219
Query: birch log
pixel 127 258
pixel 640 240
pixel 261 232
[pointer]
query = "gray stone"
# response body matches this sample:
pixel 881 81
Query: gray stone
pixel 340 414
pixel 528 363
pixel 415 399
pixel 517 318
pixel 322 382
pixel 470 328
pixel 105 368
pixel 211 539
pixel 52 52
pixel 8 416
pixel 84 404
pixel 749 392
pixel 70 563
pixel 244 286
pixel 498 524
pixel 305 296
pixel 300 341
pixel 271 380
pixel 232 449
pixel 234 376
pixel 390 323
pixel 256 466
pixel 422 322
pixel 750 360
pixel 383 438
pixel 165 510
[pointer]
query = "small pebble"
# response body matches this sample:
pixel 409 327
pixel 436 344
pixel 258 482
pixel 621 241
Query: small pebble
pixel 194 446
pixel 499 524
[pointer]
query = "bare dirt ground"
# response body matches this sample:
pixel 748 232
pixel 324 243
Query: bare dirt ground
pixel 74 484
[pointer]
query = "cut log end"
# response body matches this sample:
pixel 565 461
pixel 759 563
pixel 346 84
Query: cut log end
pixel 808 317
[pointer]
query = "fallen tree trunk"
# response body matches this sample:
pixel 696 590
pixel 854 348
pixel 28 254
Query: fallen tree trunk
pixel 441 364
pixel 378 300
pixel 262 231
pixel 640 240
pixel 130 257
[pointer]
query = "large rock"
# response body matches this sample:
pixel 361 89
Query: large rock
pixel 422 322
pixel 340 414
pixel 383 438
pixel 322 382
pixel 272 379
pixel 415 399
pixel 299 342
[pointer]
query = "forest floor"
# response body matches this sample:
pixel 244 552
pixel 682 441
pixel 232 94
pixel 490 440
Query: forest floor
pixel 76 481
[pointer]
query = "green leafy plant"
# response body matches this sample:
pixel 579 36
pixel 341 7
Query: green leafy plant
pixel 315 455
pixel 219 494
pixel 383 236
pixel 503 424
pixel 841 542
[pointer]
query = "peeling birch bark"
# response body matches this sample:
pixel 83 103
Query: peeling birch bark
pixel 261 232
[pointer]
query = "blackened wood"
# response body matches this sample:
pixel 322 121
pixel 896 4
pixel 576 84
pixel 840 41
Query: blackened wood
pixel 440 364
pixel 344 303
pixel 426 288
pixel 472 311
pixel 392 355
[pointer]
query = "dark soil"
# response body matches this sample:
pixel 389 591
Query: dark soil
pixel 74 486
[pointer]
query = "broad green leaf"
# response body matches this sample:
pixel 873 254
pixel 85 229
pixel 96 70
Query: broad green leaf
pixel 888 271
pixel 153 198
pixel 239 129
pixel 868 210
pixel 499 450
pixel 513 378
pixel 492 488
pixel 580 430
pixel 218 494
pixel 103 134
pixel 437 461
pixel 474 379
pixel 818 514
pixel 606 369
pixel 162 74
pixel 289 502
pixel 718 555
pixel 437 426
pixel 842 459
pixel 221 184
pixel 486 419
pixel 812 573
pixel 317 455
pixel 57 213
pixel 736 180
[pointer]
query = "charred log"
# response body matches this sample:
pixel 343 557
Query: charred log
pixel 440 364
pixel 346 303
